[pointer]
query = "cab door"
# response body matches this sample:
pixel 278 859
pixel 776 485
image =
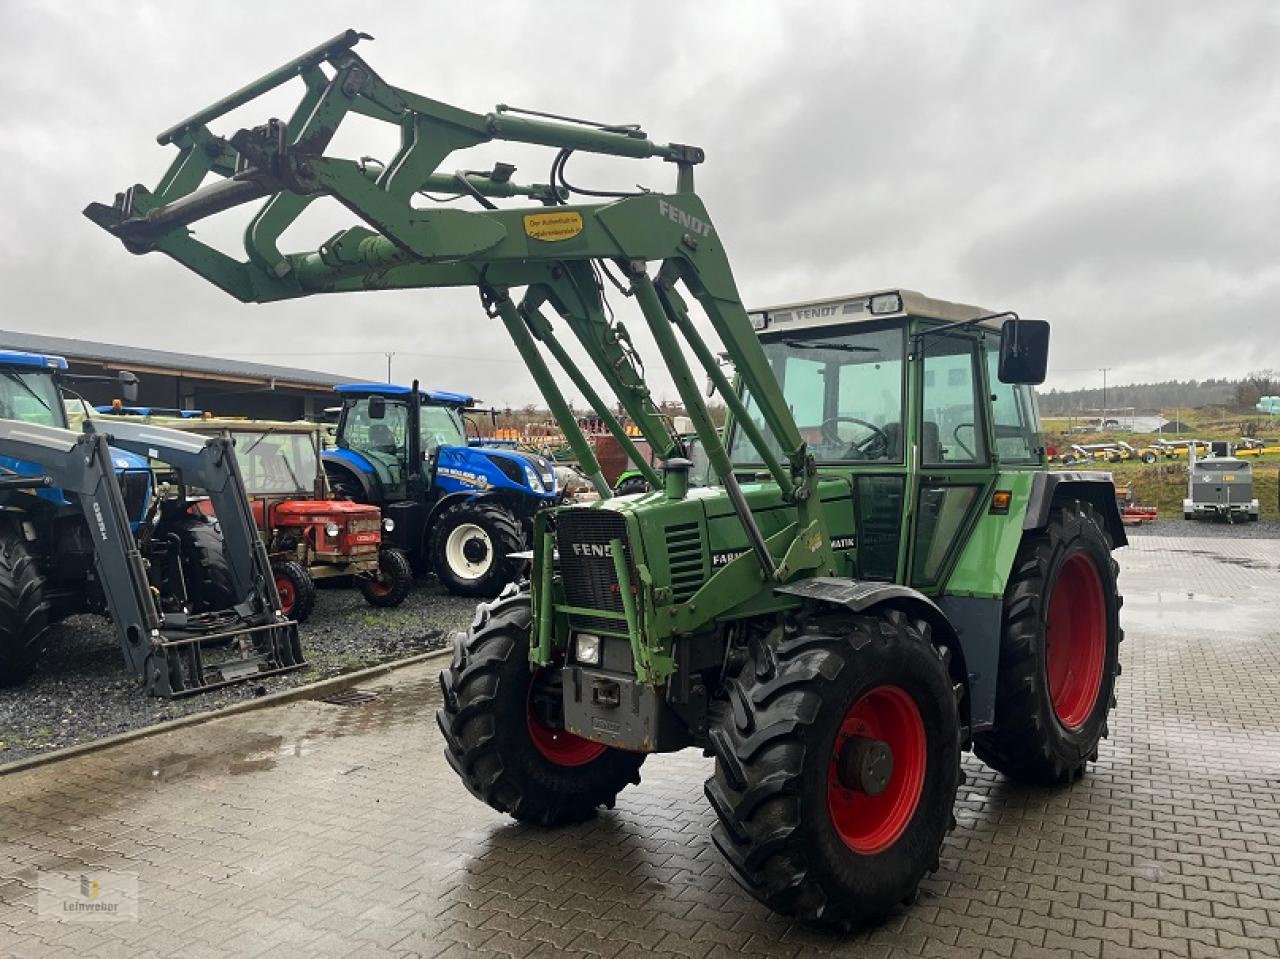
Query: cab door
pixel 950 452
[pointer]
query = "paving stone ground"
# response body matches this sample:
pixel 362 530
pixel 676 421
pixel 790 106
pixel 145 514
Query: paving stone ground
pixel 322 830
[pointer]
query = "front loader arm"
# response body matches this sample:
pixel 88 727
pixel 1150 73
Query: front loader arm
pixel 557 251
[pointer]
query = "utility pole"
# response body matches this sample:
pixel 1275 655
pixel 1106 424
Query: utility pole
pixel 1105 370
pixel 389 355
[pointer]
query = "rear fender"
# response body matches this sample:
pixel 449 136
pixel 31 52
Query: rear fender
pixel 367 483
pixel 1050 489
pixel 861 596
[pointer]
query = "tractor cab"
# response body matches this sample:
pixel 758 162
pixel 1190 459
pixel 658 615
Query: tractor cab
pixel 31 391
pixel 456 508
pixel 890 390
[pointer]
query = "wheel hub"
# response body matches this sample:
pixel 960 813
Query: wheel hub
pixel 475 550
pixel 865 765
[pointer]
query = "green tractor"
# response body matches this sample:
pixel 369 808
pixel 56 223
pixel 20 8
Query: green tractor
pixel 880 574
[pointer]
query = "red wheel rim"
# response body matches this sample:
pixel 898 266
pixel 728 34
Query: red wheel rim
pixel 288 596
pixel 558 745
pixel 870 824
pixel 1076 641
pixel 378 587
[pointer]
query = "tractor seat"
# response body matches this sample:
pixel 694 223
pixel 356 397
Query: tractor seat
pixel 381 437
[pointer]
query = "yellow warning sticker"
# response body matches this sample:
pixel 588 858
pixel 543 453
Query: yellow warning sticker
pixel 553 227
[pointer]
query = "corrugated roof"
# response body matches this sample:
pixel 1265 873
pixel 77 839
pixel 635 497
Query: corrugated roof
pixel 137 358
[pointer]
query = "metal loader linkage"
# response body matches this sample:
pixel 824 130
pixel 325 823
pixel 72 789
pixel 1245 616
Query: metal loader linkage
pixel 166 650
pixel 833 630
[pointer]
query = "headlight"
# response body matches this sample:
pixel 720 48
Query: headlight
pixel 388 524
pixel 586 649
pixel 532 476
pixel 332 531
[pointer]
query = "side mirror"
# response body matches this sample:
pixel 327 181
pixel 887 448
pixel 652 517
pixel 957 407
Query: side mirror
pixel 129 386
pixel 1024 351
pixel 377 408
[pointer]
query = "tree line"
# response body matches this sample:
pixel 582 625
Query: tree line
pixel 1240 393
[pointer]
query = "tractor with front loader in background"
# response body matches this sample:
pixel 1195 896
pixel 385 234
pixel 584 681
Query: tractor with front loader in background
pixel 308 534
pixel 457 510
pixel 847 607
pixel 85 528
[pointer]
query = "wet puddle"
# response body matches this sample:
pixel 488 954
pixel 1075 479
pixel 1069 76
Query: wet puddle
pixel 1192 612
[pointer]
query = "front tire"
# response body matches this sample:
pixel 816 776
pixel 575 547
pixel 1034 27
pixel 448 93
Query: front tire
pixel 1059 651
pixel 296 589
pixel 391 584
pixel 24 613
pixel 815 821
pixel 204 565
pixel 497 738
pixel 471 546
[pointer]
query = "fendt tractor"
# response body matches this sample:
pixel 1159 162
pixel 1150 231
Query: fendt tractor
pixel 84 528
pixel 896 582
pixel 457 510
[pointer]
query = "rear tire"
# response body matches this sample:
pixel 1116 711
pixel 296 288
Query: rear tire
pixel 470 547
pixel 204 565
pixel 24 613
pixel 1059 651
pixel 392 582
pixel 505 755
pixel 296 588
pixel 797 836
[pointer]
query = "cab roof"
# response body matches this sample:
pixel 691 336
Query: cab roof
pixel 42 360
pixel 862 307
pixel 391 389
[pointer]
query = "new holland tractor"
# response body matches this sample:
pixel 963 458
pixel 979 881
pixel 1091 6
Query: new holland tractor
pixel 881 575
pixel 457 510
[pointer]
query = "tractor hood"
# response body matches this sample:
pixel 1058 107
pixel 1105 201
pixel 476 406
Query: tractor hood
pixel 484 468
pixel 304 512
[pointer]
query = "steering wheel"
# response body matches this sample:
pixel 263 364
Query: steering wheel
pixel 955 434
pixel 832 437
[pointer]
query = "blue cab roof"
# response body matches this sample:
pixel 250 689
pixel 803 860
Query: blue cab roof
pixel 391 389
pixel 41 360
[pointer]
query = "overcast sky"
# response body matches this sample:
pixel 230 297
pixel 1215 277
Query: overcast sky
pixel 1111 167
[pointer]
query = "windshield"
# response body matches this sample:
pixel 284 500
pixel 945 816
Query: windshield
pixel 31 398
pixel 441 426
pixel 277 463
pixel 844 390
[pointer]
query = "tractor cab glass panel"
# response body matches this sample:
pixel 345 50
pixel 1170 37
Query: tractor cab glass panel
pixel 31 398
pixel 1014 417
pixel 277 464
pixel 950 429
pixel 367 434
pixel 844 390
pixel 440 426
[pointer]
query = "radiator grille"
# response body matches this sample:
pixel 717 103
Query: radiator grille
pixel 586 565
pixel 685 558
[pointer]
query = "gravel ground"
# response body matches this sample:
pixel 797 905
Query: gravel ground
pixel 82 692
pixel 1263 529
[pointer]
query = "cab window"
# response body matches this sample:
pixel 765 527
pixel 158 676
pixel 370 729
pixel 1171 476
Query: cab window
pixel 844 390
pixel 1014 416
pixel 440 426
pixel 951 430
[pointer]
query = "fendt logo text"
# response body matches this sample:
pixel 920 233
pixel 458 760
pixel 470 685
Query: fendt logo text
pixel 592 549
pixel 686 220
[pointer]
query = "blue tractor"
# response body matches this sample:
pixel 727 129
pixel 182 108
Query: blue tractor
pixel 458 510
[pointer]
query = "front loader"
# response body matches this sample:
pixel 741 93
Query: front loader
pixel 799 618
pixel 139 581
